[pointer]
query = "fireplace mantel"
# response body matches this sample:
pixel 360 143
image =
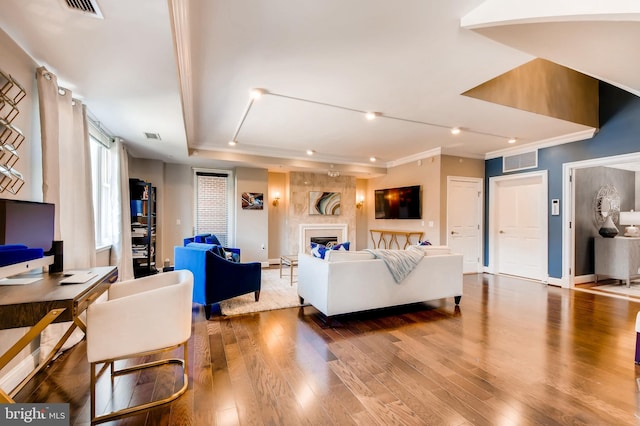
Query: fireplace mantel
pixel 308 230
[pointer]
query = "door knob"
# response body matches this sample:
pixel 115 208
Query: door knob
pixel 502 232
pixel 453 232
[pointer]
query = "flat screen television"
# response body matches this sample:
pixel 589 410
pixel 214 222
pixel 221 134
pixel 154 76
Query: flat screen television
pixel 26 222
pixel 398 203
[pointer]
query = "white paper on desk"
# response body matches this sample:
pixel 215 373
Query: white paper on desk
pixel 19 281
pixel 78 277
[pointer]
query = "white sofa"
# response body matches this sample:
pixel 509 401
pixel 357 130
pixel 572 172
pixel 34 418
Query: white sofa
pixel 347 282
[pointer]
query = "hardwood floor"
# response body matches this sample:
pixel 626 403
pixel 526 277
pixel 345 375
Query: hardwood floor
pixel 514 353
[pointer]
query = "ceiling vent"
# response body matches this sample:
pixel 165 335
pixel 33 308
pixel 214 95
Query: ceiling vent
pixel 523 161
pixel 152 136
pixel 87 7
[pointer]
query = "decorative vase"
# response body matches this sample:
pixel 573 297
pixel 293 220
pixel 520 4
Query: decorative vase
pixel 608 228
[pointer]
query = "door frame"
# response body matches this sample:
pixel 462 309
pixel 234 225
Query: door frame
pixel 480 183
pixel 493 264
pixel 569 279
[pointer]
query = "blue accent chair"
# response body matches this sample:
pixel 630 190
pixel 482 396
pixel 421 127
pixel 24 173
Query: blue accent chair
pixel 215 278
pixel 233 253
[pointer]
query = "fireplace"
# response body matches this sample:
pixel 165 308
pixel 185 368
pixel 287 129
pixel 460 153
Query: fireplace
pixel 325 241
pixel 335 232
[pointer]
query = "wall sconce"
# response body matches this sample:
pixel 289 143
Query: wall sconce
pixel 276 199
pixel 360 202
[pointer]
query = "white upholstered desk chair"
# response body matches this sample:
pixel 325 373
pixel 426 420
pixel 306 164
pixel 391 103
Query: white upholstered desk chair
pixel 141 317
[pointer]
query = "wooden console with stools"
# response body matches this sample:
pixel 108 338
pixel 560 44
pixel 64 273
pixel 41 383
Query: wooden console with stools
pixel 388 239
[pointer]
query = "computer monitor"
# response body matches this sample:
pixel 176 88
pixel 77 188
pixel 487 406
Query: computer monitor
pixel 27 222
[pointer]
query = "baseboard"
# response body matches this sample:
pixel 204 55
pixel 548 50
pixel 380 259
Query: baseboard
pixel 17 374
pixel 264 264
pixel 584 279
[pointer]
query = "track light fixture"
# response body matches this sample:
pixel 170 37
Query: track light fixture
pixel 257 93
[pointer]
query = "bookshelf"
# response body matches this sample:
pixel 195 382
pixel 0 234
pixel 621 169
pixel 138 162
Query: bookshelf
pixel 143 227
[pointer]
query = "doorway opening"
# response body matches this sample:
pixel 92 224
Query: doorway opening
pixel 571 214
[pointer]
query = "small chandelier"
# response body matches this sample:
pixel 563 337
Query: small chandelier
pixel 332 172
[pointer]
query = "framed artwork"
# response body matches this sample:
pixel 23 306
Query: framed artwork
pixel 324 203
pixel 252 200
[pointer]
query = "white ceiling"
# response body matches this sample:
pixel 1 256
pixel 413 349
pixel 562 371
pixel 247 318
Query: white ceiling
pixel 184 69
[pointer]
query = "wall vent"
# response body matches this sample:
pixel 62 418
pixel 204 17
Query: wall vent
pixel 87 7
pixel 523 161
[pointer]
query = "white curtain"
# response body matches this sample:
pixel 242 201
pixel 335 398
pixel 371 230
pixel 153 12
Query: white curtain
pixel 66 165
pixel 121 253
pixel 66 176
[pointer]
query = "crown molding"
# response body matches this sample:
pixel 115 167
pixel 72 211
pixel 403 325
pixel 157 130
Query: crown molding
pixel 545 143
pixel 181 28
pixel 411 158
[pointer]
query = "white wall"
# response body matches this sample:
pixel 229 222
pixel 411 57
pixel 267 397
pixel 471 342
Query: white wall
pixel 18 64
pixel 425 172
pixel 177 221
pixel 252 226
pixel 278 231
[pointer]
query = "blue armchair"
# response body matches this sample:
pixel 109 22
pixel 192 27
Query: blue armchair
pixel 234 253
pixel 214 278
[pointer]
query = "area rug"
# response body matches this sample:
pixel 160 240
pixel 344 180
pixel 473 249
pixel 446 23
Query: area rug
pixel 275 293
pixel 633 291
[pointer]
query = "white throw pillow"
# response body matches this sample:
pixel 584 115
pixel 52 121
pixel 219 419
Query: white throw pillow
pixel 435 250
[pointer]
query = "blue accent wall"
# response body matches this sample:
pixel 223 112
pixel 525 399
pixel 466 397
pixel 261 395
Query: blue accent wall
pixel 619 134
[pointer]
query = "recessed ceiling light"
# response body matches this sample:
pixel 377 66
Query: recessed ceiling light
pixel 310 152
pixel 257 93
pixel 455 131
pixel 372 159
pixel 233 143
pixel 371 115
pixel 512 140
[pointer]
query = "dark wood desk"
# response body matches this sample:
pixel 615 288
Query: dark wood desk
pixel 39 304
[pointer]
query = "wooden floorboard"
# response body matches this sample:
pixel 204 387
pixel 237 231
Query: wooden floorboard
pixel 513 352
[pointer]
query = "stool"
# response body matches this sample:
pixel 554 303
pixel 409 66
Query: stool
pixel 638 338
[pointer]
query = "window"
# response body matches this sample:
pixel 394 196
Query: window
pixel 212 205
pixel 101 170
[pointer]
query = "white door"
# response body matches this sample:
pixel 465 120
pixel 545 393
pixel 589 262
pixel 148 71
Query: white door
pixel 464 219
pixel 520 224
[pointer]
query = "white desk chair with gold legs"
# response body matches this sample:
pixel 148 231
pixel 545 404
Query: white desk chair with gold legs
pixel 141 317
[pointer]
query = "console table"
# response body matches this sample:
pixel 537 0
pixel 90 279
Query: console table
pixel 617 258
pixel 45 301
pixel 389 238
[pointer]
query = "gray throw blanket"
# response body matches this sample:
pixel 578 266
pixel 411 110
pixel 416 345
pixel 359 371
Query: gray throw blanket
pixel 399 262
